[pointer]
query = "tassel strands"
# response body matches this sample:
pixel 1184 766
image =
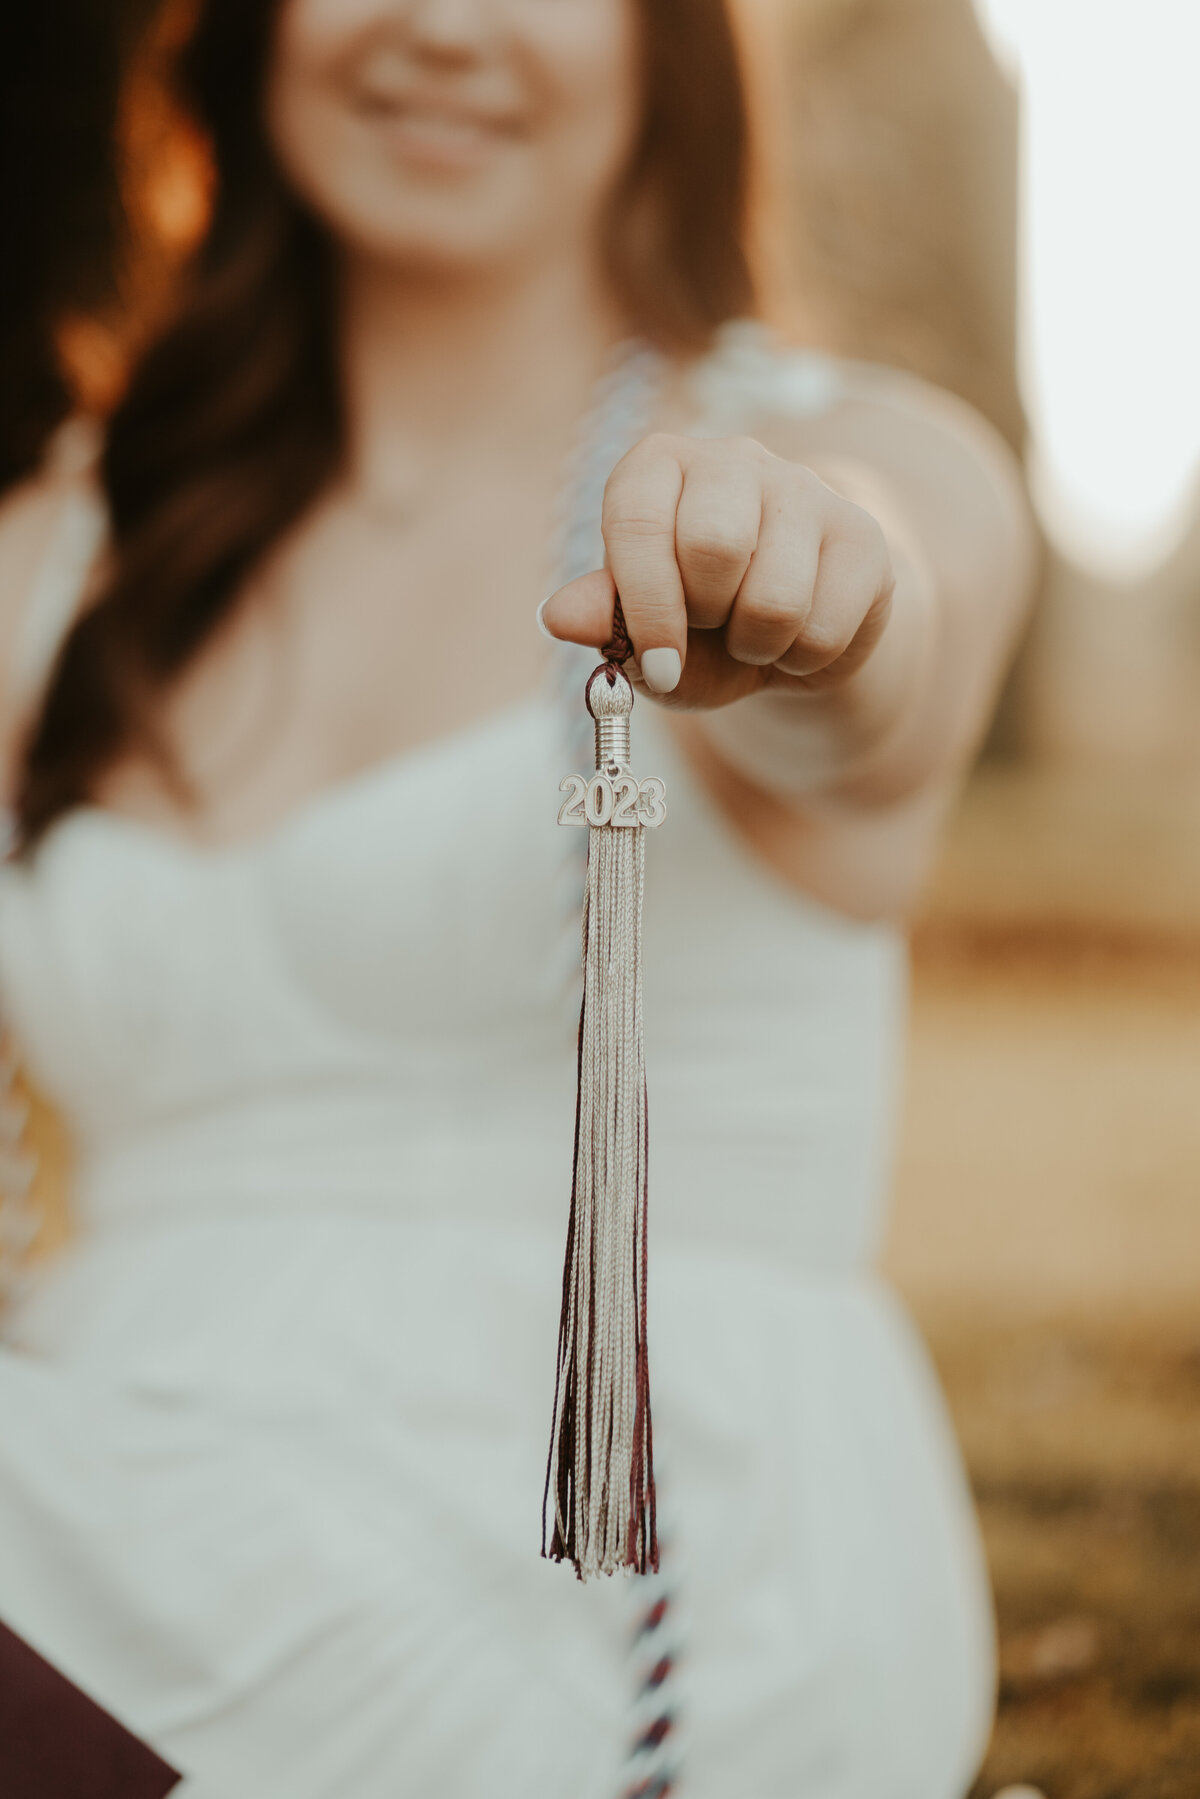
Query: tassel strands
pixel 600 1471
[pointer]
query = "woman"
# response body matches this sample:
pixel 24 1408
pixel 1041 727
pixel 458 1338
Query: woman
pixel 292 943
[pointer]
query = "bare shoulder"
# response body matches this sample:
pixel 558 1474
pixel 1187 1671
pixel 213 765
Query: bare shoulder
pixel 33 518
pixel 29 519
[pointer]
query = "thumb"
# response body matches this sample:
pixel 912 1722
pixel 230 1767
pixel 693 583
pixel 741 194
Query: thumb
pixel 582 611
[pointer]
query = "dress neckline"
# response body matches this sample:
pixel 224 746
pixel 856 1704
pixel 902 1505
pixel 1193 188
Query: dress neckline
pixel 324 801
pixel 621 410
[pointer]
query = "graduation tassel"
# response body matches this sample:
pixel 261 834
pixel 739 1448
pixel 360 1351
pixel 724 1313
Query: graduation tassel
pixel 600 1472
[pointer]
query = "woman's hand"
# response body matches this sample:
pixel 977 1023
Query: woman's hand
pixel 737 571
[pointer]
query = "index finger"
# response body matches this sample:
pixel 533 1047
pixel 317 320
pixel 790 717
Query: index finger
pixel 640 504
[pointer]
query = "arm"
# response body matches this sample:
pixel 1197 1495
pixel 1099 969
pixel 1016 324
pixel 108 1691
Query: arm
pixel 843 592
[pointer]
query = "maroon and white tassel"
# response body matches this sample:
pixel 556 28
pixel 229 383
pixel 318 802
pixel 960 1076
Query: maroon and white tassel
pixel 598 1508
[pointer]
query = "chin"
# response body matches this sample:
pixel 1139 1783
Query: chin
pixel 435 238
pixel 429 253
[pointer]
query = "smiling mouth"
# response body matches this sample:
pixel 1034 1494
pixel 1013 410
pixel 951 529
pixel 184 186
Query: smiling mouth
pixel 434 132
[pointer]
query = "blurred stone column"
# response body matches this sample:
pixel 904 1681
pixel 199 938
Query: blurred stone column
pixel 1114 668
pixel 901 135
pixel 902 138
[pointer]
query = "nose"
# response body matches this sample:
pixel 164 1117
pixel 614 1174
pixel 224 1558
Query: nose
pixel 452 29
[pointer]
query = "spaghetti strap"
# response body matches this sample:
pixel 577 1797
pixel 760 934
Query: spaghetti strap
pixel 62 577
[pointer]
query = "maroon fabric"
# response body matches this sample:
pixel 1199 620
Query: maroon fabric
pixel 56 1743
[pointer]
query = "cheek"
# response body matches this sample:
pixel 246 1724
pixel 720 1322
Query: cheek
pixel 318 33
pixel 589 63
pixel 304 114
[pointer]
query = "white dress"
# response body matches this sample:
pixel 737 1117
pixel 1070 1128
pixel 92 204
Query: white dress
pixel 273 1430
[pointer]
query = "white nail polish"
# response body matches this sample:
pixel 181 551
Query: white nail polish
pixel 540 619
pixel 661 670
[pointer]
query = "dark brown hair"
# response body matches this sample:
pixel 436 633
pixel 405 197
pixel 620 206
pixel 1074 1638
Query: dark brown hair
pixel 62 223
pixel 232 422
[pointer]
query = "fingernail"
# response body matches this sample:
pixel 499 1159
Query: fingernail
pixel 661 670
pixel 540 618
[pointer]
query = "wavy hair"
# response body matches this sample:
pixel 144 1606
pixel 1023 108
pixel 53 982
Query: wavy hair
pixel 62 226
pixel 232 422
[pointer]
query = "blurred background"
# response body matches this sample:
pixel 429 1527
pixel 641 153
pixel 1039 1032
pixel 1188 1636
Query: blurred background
pixel 1001 196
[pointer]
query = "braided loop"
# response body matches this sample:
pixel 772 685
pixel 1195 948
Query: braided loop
pixel 618 650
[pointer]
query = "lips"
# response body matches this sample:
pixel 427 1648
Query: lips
pixel 435 130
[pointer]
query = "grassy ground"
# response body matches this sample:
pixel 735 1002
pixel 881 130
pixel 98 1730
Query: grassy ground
pixel 1085 1456
pixel 1048 1236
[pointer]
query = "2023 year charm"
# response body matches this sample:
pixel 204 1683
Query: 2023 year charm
pixel 600 1471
